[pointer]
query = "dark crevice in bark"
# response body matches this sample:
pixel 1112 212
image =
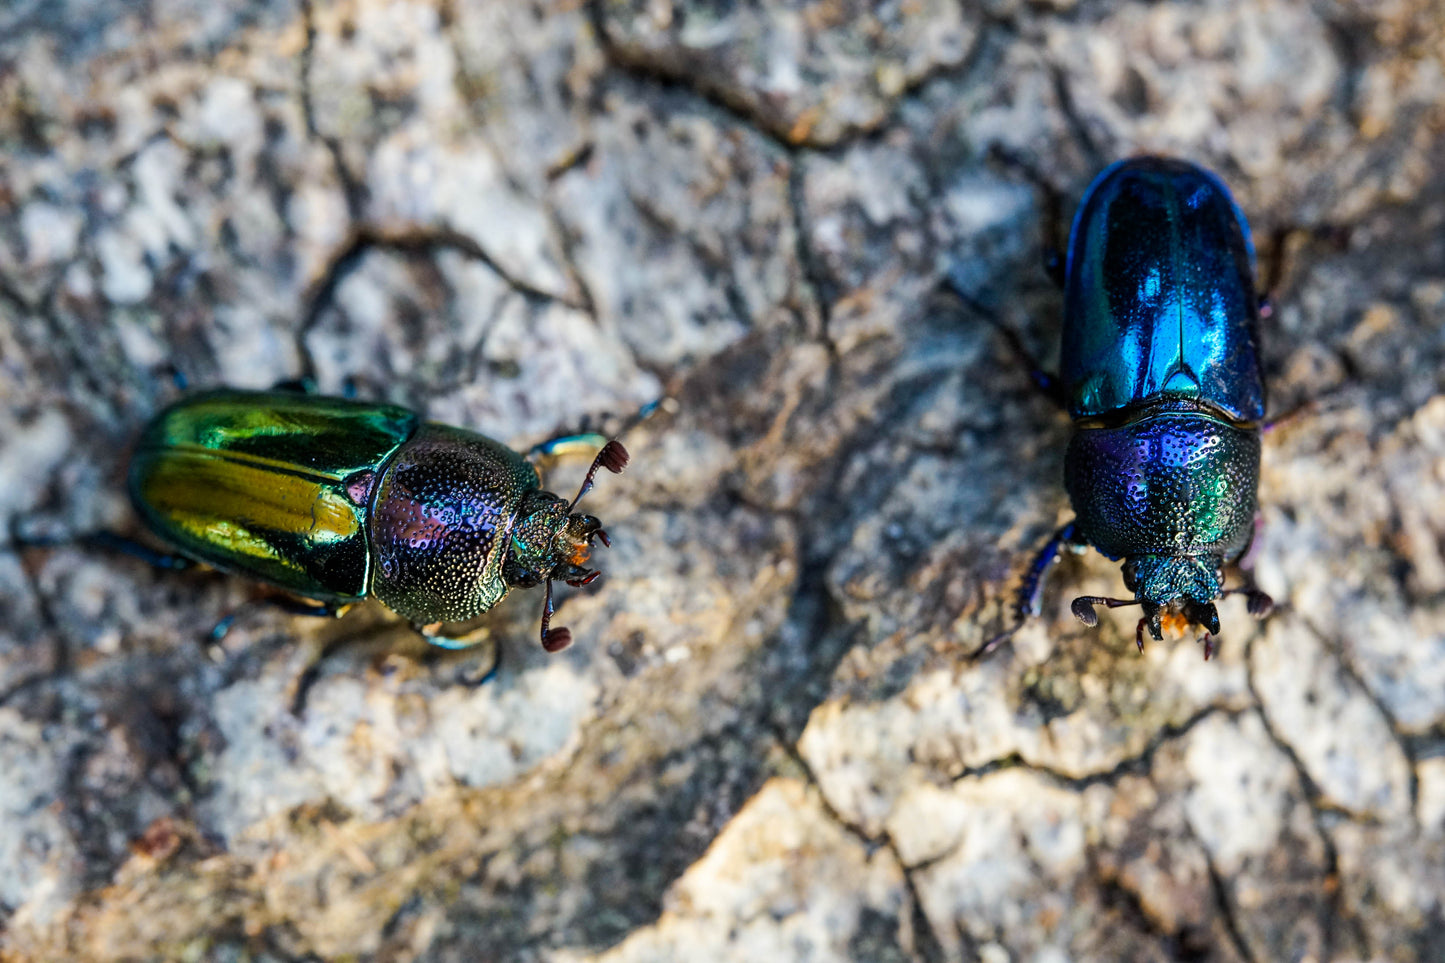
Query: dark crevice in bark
pixel 354 190
pixel 421 241
pixel 1139 764
pixel 663 79
pixel 817 284
pixel 1183 946
pixel 1335 915
pixel 927 945
pixel 1224 906
pixel 737 106
pixel 1347 666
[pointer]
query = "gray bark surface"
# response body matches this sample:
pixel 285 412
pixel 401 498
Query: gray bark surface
pixel 769 741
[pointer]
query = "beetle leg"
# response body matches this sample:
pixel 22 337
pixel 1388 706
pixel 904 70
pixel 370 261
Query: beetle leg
pixel 1298 411
pixel 325 610
pixel 563 445
pixel 178 377
pixel 1257 602
pixel 286 603
pixel 304 385
pixel 431 632
pixel 1046 383
pixel 1027 604
pixel 105 541
pixel 1053 227
pixel 466 640
pixel 586 441
pixel 111 541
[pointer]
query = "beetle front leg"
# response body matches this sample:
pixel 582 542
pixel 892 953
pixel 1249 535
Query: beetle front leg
pixel 578 443
pixel 431 631
pixel 1256 601
pixel 1028 602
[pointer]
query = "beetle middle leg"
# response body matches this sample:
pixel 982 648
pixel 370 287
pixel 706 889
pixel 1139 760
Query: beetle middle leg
pixel 454 643
pixel 1053 228
pixel 1028 602
pixel 309 676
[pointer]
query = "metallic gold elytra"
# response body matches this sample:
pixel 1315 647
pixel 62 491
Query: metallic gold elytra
pixel 240 504
pixel 272 484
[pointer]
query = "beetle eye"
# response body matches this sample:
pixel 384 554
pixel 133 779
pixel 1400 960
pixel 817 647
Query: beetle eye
pixel 1131 573
pixel 519 577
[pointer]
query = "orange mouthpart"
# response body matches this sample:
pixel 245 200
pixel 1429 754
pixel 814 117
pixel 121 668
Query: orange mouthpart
pixel 1174 623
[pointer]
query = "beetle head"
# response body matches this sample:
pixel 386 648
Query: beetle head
pixel 547 542
pixel 1176 588
pixel 550 542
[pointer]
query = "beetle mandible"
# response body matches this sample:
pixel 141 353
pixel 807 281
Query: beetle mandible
pixel 1159 370
pixel 335 500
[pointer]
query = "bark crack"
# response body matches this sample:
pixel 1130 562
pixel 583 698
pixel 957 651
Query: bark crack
pixel 354 190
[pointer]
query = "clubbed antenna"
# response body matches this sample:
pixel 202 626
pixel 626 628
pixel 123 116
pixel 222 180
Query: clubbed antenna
pixel 553 640
pixel 613 457
pixel 1083 607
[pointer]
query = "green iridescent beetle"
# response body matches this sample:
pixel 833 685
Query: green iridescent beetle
pixel 334 500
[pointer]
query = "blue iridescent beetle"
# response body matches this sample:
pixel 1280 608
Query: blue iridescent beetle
pixel 1160 372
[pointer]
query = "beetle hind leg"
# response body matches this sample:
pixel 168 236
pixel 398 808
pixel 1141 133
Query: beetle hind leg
pixel 213 641
pixel 109 541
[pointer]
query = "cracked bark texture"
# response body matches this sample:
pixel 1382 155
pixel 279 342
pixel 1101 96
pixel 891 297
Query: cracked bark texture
pixel 768 742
